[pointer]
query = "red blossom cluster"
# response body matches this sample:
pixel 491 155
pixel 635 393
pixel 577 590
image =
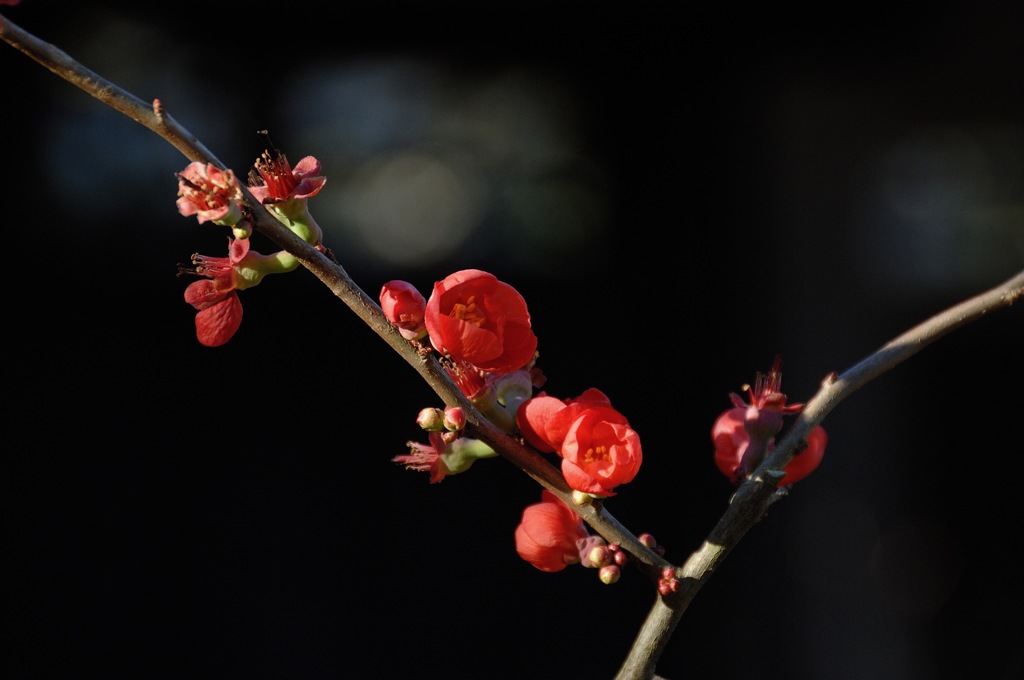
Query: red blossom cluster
pixel 214 195
pixel 481 329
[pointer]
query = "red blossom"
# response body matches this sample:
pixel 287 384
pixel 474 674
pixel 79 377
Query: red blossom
pixel 209 193
pixel 599 449
pixel 731 440
pixel 216 296
pixel 273 180
pixel 404 307
pixel 548 532
pixel 762 419
pixel 473 317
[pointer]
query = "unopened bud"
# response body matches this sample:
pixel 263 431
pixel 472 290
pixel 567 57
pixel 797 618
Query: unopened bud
pixel 647 540
pixel 431 419
pixel 242 229
pixel 600 556
pixel 609 574
pixel 454 418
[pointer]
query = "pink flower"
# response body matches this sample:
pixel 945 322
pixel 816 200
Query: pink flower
pixel 548 533
pixel 473 317
pixel 744 434
pixel 209 193
pixel 404 307
pixel 599 449
pixel 273 180
pixel 426 457
pixel 216 297
pixel 731 440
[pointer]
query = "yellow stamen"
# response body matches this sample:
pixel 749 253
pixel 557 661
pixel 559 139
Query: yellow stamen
pixel 467 312
pixel 595 454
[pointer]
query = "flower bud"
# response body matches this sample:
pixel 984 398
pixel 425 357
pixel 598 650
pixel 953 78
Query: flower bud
pixel 454 418
pixel 600 556
pixel 243 229
pixel 594 552
pixel 431 419
pixel 609 574
pixel 403 306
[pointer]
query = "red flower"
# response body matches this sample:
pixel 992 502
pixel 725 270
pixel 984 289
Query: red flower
pixel 745 434
pixel 471 316
pixel 599 449
pixel 732 439
pixel 273 180
pixel 404 306
pixel 547 534
pixel 216 297
pixel 209 193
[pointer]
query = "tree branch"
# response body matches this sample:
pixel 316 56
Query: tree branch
pixel 753 497
pixel 334 276
pixel 748 504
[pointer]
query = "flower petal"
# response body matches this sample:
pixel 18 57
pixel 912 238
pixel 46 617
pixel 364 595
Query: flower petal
pixel 216 324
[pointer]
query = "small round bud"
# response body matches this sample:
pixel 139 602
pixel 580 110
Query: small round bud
pixel 454 418
pixel 609 574
pixel 600 556
pixel 242 229
pixel 431 419
pixel 620 557
pixel 647 540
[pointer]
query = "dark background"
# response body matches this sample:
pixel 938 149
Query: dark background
pixel 678 196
